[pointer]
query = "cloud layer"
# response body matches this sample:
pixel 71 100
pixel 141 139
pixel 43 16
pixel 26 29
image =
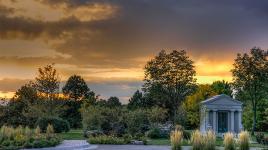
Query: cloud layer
pixel 104 39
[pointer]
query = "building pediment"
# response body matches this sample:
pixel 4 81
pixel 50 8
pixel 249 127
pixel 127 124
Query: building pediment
pixel 222 100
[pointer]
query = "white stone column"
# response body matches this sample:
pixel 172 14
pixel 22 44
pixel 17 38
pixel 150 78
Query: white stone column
pixel 207 119
pixel 215 121
pixel 232 121
pixel 239 121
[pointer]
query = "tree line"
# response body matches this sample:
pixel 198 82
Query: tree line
pixel 169 85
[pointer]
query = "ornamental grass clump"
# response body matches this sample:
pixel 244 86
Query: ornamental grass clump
pixel 176 138
pixel 7 132
pixel 244 140
pixel 197 140
pixel 209 140
pixel 229 142
pixel 24 137
pixel 50 131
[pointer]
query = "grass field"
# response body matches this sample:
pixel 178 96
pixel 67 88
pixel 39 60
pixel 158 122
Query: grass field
pixel 74 134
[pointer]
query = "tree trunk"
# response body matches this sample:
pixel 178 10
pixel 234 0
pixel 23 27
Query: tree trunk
pixel 254 120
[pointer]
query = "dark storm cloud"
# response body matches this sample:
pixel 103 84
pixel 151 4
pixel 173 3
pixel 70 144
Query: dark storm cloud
pixel 143 27
pixel 5 11
pixel 146 26
pixel 26 28
pixel 211 30
pixel 69 3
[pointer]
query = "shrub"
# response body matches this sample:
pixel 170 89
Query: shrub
pixel 197 140
pixel 92 133
pixel 229 142
pixel 154 133
pixel 110 121
pixel 244 140
pixel 104 139
pixel 209 140
pixel 137 122
pixel 59 124
pixel 260 137
pixel 265 141
pixel 72 114
pixel 176 138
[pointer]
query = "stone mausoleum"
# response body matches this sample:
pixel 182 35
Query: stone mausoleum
pixel 221 114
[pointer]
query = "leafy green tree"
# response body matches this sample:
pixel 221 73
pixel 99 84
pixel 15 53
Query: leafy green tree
pixel 113 102
pixel 191 105
pixel 174 75
pixel 136 101
pixel 76 88
pixel 14 113
pixel 157 115
pixel 222 87
pixel 250 78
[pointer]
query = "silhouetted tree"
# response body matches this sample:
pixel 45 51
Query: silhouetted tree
pixel 113 102
pixel 136 101
pixel 76 88
pixel 47 81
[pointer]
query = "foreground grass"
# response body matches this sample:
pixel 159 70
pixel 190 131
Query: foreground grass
pixel 165 141
pixel 77 134
pixel 73 134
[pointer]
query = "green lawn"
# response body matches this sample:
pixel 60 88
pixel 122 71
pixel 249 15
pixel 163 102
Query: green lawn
pixel 73 134
pixel 159 142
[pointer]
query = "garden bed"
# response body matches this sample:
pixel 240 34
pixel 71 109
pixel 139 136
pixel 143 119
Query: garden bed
pixel 17 138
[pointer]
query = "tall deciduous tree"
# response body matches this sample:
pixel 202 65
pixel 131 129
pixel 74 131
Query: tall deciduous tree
pixel 175 73
pixel 76 88
pixel 250 77
pixel 47 84
pixel 47 81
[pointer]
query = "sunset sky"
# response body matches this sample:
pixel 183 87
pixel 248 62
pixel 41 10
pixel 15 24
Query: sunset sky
pixel 108 42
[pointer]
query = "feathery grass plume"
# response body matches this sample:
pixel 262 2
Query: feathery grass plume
pixel 197 140
pixel 244 140
pixel 50 129
pixel 7 132
pixel 28 132
pixel 37 131
pixel 18 130
pixel 209 140
pixel 229 142
pixel 176 138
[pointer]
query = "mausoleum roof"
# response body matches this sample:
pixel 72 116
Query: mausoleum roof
pixel 221 97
